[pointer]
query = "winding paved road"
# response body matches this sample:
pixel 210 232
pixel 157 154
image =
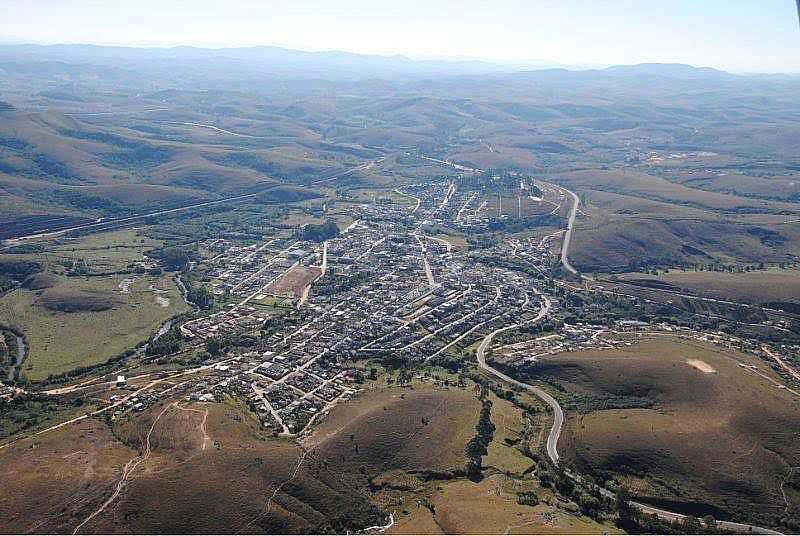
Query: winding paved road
pixel 568 235
pixel 558 413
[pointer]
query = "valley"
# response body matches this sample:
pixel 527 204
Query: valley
pixel 527 302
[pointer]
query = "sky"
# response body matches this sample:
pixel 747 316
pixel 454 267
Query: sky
pixel 735 35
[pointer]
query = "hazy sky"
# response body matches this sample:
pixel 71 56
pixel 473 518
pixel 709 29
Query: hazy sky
pixel 738 35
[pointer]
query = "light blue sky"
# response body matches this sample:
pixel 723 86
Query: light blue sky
pixel 738 35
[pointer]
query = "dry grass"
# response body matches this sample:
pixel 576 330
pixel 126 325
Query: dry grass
pixel 490 507
pixel 509 425
pixel 715 443
pixel 761 286
pixel 49 481
pixel 422 430
pixel 211 470
pixel 636 184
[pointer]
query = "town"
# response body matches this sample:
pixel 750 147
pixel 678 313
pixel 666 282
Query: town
pixel 389 286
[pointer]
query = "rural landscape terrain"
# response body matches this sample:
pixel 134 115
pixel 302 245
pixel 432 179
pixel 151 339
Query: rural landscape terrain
pixel 259 290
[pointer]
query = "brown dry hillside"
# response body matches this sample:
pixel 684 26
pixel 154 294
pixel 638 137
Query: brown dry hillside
pixel 719 442
pixel 630 219
pixel 212 469
pixel 222 477
pixel 209 471
pixel 51 163
pixel 645 186
pixel 51 481
pixel 420 430
pixel 757 287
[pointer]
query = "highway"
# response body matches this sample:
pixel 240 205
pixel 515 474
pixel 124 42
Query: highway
pixel 99 224
pixel 360 167
pixel 129 219
pixel 451 164
pixel 215 128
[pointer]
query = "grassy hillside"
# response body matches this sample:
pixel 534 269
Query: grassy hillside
pixel 690 429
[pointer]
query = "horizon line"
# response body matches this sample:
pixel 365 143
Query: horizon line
pixel 520 64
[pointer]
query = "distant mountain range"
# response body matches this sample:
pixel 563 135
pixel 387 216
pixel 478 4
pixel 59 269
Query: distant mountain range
pixel 288 63
pixel 69 72
pixel 265 60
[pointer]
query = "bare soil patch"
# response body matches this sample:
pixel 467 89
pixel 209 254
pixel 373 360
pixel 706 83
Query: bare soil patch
pixel 701 365
pixel 291 284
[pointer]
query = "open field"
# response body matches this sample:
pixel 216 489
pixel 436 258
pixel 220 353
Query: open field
pixel 631 219
pixel 211 468
pixel 292 283
pixel 85 321
pixel 48 482
pixel 105 251
pixel 781 187
pixel 720 443
pixel 645 186
pixel 100 253
pixel 410 464
pixel 756 287
pixel 490 507
pixel 503 454
pixel 613 242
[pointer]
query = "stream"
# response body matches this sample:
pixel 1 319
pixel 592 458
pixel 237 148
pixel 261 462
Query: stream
pixel 20 357
pixel 185 292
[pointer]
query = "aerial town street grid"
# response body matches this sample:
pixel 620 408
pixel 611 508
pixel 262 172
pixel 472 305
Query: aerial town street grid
pixel 384 286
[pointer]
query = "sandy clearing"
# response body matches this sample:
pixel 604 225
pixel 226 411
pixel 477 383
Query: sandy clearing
pixel 702 366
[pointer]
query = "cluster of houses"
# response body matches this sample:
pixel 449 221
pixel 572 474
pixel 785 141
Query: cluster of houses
pixel 386 287
pixel 7 392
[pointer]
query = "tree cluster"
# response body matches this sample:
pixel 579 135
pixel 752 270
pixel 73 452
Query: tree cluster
pixel 478 446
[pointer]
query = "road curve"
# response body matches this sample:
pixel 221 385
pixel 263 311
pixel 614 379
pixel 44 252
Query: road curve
pixel 568 235
pixel 558 413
